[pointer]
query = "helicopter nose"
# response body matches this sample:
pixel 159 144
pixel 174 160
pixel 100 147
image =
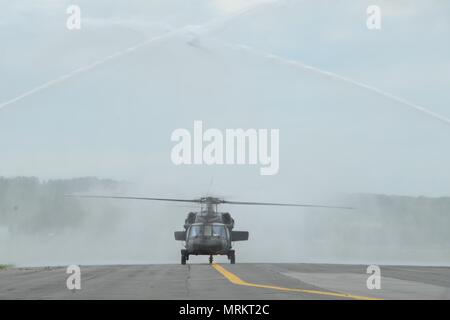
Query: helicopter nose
pixel 209 245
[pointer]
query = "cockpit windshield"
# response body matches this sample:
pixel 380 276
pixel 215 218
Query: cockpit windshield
pixel 208 230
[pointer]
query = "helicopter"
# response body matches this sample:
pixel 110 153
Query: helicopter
pixel 208 231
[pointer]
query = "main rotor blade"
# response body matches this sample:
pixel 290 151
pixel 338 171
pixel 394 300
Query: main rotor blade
pixel 131 198
pixel 205 200
pixel 284 204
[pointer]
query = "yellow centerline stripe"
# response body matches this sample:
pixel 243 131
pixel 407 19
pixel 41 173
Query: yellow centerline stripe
pixel 238 281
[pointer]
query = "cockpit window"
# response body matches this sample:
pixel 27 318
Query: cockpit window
pixel 219 231
pixel 195 231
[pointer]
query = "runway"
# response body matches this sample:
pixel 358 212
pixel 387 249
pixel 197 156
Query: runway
pixel 224 281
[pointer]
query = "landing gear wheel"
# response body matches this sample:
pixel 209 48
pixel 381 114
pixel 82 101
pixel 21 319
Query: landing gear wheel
pixel 210 259
pixel 183 257
pixel 232 258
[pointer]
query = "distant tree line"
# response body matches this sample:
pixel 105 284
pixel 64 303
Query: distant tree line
pixel 28 205
pixel 414 220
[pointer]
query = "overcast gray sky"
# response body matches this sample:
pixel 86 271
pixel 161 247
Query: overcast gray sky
pixel 115 120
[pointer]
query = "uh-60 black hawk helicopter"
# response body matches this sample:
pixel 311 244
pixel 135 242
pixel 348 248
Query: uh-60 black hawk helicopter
pixel 208 231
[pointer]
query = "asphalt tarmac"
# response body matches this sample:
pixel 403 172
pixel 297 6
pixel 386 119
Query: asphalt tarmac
pixel 225 281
